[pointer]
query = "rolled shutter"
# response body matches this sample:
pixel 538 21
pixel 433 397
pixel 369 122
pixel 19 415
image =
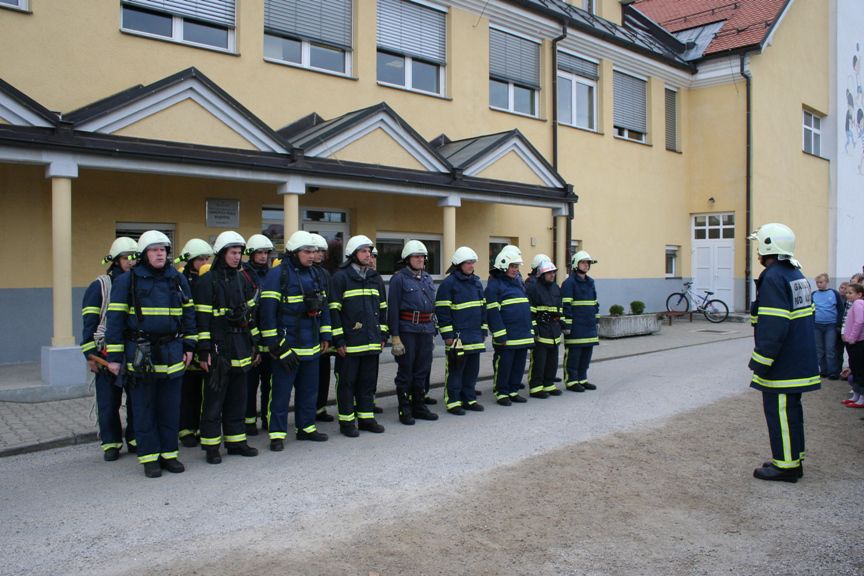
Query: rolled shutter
pixel 631 101
pixel 578 66
pixel 324 21
pixel 214 11
pixel 671 120
pixel 514 59
pixel 412 30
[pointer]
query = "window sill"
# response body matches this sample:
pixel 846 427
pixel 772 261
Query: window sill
pixel 674 277
pixel 413 91
pixel 815 156
pixel 310 69
pixel 580 129
pixel 674 151
pixel 179 42
pixel 622 139
pixel 514 113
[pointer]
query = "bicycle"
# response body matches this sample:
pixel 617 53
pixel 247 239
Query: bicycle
pixel 714 311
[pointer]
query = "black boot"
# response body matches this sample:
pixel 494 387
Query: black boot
pixel 800 468
pixel 348 429
pixel 241 449
pixel 421 412
pixel 554 392
pixel 540 394
pixel 252 429
pixel 457 410
pixel 189 440
pixel 377 410
pixel 277 445
pixel 473 406
pixel 588 386
pixel 171 465
pixel 313 436
pixel 213 456
pixel 323 416
pixel 429 400
pixel 405 416
pixel 575 387
pixel 152 469
pixel 517 399
pixel 111 454
pixel 370 425
pixel 775 474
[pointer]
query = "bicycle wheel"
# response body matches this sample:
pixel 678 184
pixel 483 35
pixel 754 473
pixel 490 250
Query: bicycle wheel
pixel 677 302
pixel 715 311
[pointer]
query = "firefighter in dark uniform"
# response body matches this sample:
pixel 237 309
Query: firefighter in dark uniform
pixel 227 338
pixel 196 255
pixel 784 360
pixel 544 296
pixel 258 249
pixel 581 310
pixel 411 319
pixel 460 310
pixel 509 315
pixel 358 311
pixel 151 325
pixel 325 367
pixel 535 263
pixel 295 326
pixel 109 391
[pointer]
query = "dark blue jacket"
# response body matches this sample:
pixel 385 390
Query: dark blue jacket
pixel 581 310
pixel 91 310
pixel 545 299
pixel 258 274
pixel 410 293
pixel 167 309
pixel 508 312
pixel 460 308
pixel 784 356
pixel 285 322
pixel 358 310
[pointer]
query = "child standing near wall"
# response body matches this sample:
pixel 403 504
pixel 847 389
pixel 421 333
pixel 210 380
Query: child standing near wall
pixel 829 317
pixel 853 336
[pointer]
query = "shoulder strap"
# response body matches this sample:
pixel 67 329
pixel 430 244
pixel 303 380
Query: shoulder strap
pixel 133 298
pixel 105 289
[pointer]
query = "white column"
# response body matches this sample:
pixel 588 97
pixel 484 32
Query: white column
pixel 291 191
pixel 449 205
pixel 61 174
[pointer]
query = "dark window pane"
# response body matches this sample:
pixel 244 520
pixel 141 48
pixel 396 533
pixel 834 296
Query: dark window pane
pixel 498 94
pixel 424 76
pixel 728 233
pixel 523 100
pixel 391 69
pixel 670 262
pixel 714 233
pixel 327 58
pixel 713 220
pixel 728 219
pixel 808 119
pixel 699 234
pixel 700 220
pixel 808 146
pixel 433 264
pixel 205 34
pixel 817 144
pixel 565 100
pixel 283 49
pixel 389 253
pixel 149 22
pixel 585 106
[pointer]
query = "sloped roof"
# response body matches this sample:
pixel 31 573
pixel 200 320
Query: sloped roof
pixel 26 106
pixel 745 23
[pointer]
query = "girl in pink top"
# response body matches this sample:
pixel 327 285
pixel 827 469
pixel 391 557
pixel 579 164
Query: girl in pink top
pixel 853 336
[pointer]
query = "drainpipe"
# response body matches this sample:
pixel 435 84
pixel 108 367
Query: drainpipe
pixel 569 227
pixel 748 194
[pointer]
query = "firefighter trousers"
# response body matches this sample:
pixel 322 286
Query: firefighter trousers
pixel 576 362
pixel 222 411
pixel 784 415
pixel 355 386
pixel 156 405
pixel 543 367
pixel 303 380
pixel 324 370
pixel 258 376
pixel 460 379
pixel 190 402
pixel 109 399
pixel 414 366
pixel 509 366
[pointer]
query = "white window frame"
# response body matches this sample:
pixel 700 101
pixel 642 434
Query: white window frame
pixel 20 5
pixel 511 99
pixel 576 79
pixel 409 74
pixel 675 251
pixel 809 131
pixel 306 56
pixel 177 31
pixel 405 236
pixel 708 226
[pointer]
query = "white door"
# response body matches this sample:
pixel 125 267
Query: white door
pixel 713 258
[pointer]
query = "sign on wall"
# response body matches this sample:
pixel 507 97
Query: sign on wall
pixel 223 213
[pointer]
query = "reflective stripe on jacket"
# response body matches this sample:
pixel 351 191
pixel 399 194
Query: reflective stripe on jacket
pixel 358 310
pixel 460 308
pixel 581 310
pixel 508 312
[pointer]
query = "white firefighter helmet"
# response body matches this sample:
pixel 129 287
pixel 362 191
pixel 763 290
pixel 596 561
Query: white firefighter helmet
pixel 153 238
pixel 775 239
pixel 374 252
pixel 412 248
pixel 122 246
pixel 355 243
pixel 463 254
pixel 258 242
pixel 194 248
pixel 508 255
pixel 580 256
pixel 300 240
pixel 546 266
pixel 228 239
pixel 320 242
pixel 538 259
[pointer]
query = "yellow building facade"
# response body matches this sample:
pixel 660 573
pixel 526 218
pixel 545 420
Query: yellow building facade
pixel 119 116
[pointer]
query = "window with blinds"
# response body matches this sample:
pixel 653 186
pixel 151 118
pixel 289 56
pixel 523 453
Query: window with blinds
pixel 630 110
pixel 577 91
pixel 314 34
pixel 514 72
pixel 671 100
pixel 412 45
pixel 207 23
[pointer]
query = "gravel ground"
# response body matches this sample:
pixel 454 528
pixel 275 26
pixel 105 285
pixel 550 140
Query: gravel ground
pixel 651 474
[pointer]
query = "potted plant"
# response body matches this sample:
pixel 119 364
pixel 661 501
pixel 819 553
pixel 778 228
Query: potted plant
pixel 619 325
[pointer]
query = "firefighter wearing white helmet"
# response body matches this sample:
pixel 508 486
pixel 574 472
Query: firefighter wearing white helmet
pixel 196 254
pixel 461 317
pixel 783 360
pixel 546 309
pixel 325 360
pixel 509 316
pixel 295 327
pixel 358 309
pixel 581 310
pixel 411 318
pixel 94 309
pixel 258 250
pixel 156 347
pixel 535 262
pixel 225 303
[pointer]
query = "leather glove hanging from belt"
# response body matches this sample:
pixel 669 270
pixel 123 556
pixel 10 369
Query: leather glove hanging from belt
pixel 286 356
pixel 218 375
pixel 397 348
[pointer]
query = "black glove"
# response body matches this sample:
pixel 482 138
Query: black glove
pixel 289 359
pixel 217 378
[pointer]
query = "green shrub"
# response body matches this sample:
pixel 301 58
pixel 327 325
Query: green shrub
pixel 616 310
pixel 637 307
